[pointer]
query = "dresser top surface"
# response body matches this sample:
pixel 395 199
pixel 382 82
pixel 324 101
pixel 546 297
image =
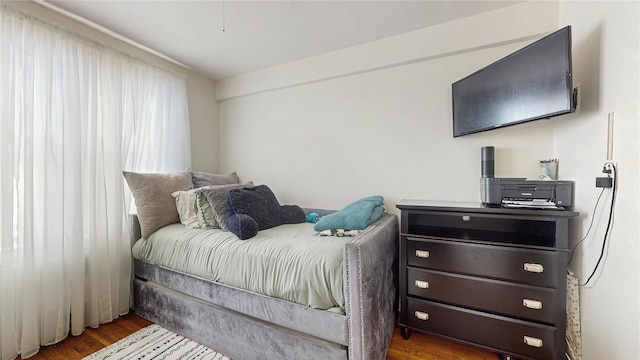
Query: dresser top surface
pixel 477 207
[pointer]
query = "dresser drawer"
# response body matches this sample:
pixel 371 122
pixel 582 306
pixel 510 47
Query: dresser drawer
pixel 534 267
pixel 499 297
pixel 515 337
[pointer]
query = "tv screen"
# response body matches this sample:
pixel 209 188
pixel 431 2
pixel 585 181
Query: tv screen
pixel 530 84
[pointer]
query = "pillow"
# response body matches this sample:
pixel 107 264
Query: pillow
pixel 152 194
pixel 204 213
pixel 355 216
pixel 186 205
pixel 256 208
pixel 217 197
pixel 201 179
pixel 206 219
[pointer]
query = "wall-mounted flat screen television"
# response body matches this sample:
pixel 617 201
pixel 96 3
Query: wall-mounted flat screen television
pixel 533 83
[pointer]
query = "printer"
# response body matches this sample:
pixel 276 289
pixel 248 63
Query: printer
pixel 522 193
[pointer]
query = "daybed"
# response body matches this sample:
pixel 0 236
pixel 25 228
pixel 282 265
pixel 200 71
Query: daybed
pixel 247 325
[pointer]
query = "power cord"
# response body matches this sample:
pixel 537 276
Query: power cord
pixel 593 215
pixel 609 167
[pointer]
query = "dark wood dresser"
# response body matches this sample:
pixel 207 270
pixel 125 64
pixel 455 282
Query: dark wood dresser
pixel 490 277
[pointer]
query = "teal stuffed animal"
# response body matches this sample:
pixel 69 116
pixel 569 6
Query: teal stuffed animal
pixel 355 216
pixel 313 218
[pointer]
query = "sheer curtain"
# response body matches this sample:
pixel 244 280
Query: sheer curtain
pixel 73 115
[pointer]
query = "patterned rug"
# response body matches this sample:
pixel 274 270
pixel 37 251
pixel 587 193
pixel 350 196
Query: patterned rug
pixel 156 342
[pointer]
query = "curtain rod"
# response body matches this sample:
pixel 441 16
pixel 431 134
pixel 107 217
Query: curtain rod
pixel 108 32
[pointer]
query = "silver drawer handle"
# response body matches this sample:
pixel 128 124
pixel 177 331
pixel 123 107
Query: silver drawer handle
pixel 531 341
pixel 422 316
pixel 534 268
pixel 532 304
pixel 422 253
pixel 422 284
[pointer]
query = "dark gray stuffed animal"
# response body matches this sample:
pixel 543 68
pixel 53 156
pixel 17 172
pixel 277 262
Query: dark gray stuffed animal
pixel 256 208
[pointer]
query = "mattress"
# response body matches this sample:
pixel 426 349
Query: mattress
pixel 290 262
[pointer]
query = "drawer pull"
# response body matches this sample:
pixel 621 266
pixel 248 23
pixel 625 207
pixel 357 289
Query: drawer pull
pixel 422 315
pixel 532 304
pixel 531 341
pixel 534 268
pixel 422 284
pixel 422 253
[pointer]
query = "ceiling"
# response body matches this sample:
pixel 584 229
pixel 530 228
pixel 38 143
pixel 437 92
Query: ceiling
pixel 226 38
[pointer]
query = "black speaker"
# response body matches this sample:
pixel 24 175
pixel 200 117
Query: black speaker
pixel 488 162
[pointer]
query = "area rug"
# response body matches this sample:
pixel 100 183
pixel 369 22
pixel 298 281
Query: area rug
pixel 156 342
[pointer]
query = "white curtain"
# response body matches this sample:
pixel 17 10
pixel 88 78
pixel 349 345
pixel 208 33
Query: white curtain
pixel 73 115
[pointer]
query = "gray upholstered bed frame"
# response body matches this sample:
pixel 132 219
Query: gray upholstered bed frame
pixel 245 325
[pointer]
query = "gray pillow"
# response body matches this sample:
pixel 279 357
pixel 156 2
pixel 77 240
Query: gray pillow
pixel 206 219
pixel 217 199
pixel 152 194
pixel 201 179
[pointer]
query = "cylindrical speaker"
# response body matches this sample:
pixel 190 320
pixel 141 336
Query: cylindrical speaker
pixel 488 162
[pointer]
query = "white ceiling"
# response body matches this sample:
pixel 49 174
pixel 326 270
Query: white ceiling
pixel 226 38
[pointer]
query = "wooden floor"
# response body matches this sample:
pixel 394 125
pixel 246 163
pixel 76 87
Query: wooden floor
pixel 419 346
pixel 425 347
pixel 92 340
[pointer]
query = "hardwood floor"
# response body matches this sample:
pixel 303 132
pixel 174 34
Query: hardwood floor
pixel 418 347
pixel 426 347
pixel 92 340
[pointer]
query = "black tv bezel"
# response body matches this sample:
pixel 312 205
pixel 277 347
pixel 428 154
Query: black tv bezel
pixel 571 92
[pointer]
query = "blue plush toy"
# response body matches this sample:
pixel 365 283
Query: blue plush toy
pixel 313 217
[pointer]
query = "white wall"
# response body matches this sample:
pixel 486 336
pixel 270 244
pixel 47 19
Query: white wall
pixel 606 39
pixel 203 118
pixel 328 130
pixel 376 119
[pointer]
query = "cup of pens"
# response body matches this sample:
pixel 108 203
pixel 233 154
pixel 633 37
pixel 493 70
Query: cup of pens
pixel 549 169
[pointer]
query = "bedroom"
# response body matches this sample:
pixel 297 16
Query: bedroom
pixel 378 112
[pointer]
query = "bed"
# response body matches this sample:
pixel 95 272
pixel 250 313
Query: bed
pixel 245 324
